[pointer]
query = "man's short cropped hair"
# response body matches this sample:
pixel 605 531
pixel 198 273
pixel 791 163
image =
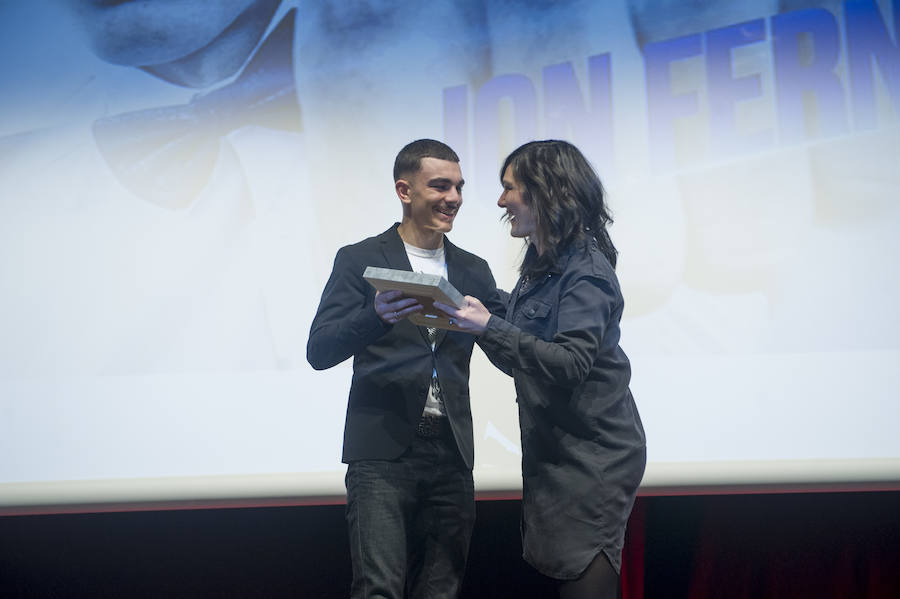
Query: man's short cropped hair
pixel 409 159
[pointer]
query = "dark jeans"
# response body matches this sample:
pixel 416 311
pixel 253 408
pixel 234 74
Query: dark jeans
pixel 410 522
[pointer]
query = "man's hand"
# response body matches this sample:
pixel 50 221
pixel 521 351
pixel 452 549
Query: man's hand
pixel 392 306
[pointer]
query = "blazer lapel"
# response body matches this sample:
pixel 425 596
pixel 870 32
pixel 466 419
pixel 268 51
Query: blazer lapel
pixel 456 273
pixel 393 250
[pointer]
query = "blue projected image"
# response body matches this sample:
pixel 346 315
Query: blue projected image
pixel 175 179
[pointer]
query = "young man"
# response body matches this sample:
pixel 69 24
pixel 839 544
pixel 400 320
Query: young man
pixel 408 436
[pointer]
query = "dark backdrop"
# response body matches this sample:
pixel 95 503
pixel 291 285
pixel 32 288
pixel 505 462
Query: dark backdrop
pixel 766 545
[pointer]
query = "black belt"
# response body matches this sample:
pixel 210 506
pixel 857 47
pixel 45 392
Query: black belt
pixel 434 427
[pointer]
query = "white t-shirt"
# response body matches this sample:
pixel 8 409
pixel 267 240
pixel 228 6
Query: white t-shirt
pixel 432 262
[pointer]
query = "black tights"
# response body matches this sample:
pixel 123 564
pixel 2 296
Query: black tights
pixel 599 581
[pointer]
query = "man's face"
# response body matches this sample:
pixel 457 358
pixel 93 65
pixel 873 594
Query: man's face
pixel 434 195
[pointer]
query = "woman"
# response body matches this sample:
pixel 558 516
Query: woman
pixel 583 448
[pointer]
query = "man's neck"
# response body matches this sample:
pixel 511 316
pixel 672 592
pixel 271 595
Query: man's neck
pixel 426 240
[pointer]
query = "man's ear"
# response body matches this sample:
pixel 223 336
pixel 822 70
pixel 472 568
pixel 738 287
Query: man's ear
pixel 402 188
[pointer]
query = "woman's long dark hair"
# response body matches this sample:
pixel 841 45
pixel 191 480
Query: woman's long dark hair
pixel 566 197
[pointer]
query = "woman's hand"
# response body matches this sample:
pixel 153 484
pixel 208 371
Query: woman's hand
pixel 472 317
pixel 392 307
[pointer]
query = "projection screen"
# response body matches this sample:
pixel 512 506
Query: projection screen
pixel 175 180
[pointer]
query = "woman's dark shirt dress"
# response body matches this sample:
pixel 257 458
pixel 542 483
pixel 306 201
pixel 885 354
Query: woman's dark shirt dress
pixel 583 446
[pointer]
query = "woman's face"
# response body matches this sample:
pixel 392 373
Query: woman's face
pixel 521 218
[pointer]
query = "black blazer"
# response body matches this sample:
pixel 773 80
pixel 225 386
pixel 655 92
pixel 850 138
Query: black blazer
pixel 392 364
